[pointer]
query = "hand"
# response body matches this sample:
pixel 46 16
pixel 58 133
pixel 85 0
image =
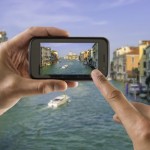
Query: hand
pixel 133 117
pixel 15 81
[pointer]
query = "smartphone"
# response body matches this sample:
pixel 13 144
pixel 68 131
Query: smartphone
pixel 67 58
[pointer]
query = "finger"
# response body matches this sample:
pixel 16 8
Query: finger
pixel 31 87
pixel 116 119
pixel 72 84
pixel 127 113
pixel 23 38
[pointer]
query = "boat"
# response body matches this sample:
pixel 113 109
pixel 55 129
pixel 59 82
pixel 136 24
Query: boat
pixel 143 94
pixel 109 78
pixel 137 89
pixel 64 67
pixel 58 101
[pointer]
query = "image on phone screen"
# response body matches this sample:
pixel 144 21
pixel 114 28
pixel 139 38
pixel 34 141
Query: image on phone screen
pixel 68 58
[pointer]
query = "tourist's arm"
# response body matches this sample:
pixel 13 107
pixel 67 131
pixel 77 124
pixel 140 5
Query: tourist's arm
pixel 134 121
pixel 15 81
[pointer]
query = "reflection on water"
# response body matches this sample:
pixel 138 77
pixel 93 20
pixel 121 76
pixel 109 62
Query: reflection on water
pixel 85 123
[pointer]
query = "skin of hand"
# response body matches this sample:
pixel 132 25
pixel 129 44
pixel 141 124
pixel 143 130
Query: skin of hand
pixel 135 117
pixel 15 81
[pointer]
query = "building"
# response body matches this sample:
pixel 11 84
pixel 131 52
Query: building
pixel 125 60
pixel 83 56
pixel 131 67
pixel 95 55
pixel 72 56
pixel 53 56
pixel 3 36
pixel 45 56
pixel 142 60
pixel 147 49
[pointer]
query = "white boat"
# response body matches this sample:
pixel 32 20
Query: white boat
pixel 64 67
pixel 109 78
pixel 137 89
pixel 58 101
pixel 134 88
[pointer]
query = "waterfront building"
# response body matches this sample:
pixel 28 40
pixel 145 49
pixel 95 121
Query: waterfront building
pixel 83 56
pixel 131 65
pixel 72 56
pixel 95 55
pixel 147 49
pixel 45 56
pixel 3 36
pixel 142 59
pixel 53 56
pixel 125 61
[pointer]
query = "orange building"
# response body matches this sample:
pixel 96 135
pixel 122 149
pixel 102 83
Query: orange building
pixel 132 60
pixel 125 61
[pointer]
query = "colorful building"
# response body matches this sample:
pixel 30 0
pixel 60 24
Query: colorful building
pixel 125 60
pixel 142 59
pixel 147 49
pixel 45 56
pixel 72 56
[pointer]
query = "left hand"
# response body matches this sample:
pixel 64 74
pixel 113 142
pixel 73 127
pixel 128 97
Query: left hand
pixel 15 81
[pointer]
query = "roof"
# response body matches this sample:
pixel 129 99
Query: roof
pixel 135 52
pixel 144 42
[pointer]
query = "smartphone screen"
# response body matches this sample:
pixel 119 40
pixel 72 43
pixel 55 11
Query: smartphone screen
pixel 68 58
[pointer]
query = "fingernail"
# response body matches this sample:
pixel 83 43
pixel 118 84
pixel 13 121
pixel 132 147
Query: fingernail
pixel 60 88
pixel 96 72
pixel 76 84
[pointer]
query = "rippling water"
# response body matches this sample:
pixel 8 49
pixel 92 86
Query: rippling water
pixel 83 124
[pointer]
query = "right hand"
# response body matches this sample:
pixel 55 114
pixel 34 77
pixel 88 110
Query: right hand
pixel 134 117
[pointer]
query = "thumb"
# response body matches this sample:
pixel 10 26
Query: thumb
pixel 31 87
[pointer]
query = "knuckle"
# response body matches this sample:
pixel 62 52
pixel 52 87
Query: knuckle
pixel 142 131
pixel 114 95
pixel 43 88
pixel 31 29
pixel 101 78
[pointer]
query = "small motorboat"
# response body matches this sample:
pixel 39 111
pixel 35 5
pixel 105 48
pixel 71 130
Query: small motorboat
pixel 58 101
pixel 64 67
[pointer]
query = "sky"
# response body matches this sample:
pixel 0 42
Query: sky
pixel 122 22
pixel 63 49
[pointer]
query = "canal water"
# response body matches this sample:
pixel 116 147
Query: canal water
pixel 83 124
pixel 59 68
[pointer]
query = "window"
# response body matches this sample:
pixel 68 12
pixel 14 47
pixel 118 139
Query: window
pixel 144 73
pixel 144 52
pixel 144 64
pixel 132 60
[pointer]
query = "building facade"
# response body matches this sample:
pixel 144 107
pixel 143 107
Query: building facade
pixel 125 60
pixel 147 61
pixel 3 36
pixel 142 59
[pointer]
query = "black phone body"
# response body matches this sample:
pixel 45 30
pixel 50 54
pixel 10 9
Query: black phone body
pixel 68 58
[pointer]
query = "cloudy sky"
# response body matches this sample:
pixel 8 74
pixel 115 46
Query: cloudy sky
pixel 123 22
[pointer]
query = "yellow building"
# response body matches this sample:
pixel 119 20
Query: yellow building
pixel 72 56
pixel 142 60
pixel 125 59
pixel 132 60
pixel 83 55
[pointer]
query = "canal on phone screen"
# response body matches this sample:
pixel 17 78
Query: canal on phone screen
pixel 65 67
pixel 85 123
